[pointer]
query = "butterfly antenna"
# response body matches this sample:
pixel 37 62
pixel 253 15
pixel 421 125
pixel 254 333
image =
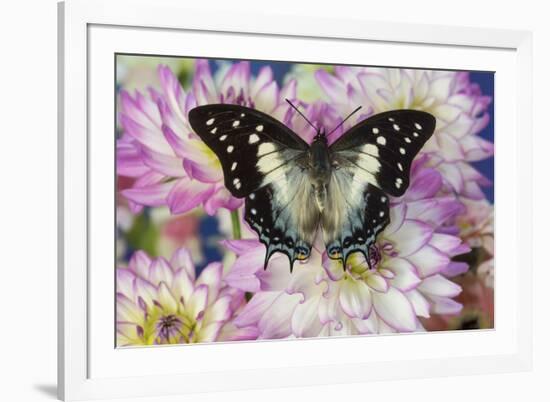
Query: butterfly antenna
pixel 343 121
pixel 301 114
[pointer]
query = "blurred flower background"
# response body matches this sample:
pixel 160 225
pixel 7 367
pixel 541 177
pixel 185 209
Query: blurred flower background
pixel 190 269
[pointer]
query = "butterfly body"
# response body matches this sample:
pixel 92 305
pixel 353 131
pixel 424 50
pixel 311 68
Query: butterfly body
pixel 292 188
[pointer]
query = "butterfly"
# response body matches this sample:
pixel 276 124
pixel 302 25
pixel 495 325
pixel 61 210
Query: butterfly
pixel 292 188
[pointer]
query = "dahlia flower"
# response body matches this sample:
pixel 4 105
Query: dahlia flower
pixel 171 165
pixel 458 106
pixel 163 302
pixel 411 263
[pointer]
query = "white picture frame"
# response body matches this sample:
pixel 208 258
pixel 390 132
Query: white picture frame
pixel 89 365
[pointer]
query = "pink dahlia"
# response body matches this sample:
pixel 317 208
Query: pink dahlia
pixel 409 276
pixel 456 103
pixel 163 302
pixel 170 164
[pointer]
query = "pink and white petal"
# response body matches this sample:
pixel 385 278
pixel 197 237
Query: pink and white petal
pixel 305 320
pixel 444 305
pixel 267 98
pixel 255 309
pixel 241 246
pixel 197 303
pixel 140 263
pixel 437 285
pixel 205 173
pixel 411 237
pixel 209 333
pixel 405 277
pixel 128 311
pixel 376 282
pixel 182 287
pixel 395 309
pixel 331 85
pixel 145 290
pixel 166 299
pixel 181 259
pixel 173 92
pixel 151 138
pixel 355 298
pixel 211 276
pixel 289 90
pixel 236 79
pixel 276 322
pixel 187 194
pixel 398 212
pixel 221 198
pixel 455 268
pixel 219 311
pixel 230 332
pixel 429 261
pixel 125 283
pixel 160 271
pixel 425 184
pixel 264 77
pixel 445 243
pixel 333 268
pixel 302 282
pixel 152 196
pixel 129 161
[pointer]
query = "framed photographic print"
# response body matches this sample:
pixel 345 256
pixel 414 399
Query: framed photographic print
pixel 278 206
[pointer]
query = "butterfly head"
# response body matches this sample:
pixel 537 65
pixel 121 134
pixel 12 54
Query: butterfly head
pixel 321 135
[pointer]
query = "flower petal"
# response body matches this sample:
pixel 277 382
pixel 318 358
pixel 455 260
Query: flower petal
pixel 305 320
pixel 395 309
pixel 355 298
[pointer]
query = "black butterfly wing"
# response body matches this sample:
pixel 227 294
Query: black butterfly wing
pixel 251 146
pixel 373 159
pixel 264 161
pixel 383 147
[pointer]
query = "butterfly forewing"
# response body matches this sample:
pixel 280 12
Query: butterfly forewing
pixel 380 149
pixel 253 148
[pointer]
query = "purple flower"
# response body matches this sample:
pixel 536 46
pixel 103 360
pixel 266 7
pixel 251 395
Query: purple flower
pixel 169 162
pixel 456 103
pixel 412 260
pixel 161 302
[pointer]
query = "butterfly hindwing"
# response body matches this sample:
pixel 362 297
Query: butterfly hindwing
pixel 277 221
pixel 359 212
pixel 253 148
pixel 380 149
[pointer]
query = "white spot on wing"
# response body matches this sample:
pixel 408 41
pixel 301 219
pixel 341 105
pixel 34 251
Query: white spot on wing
pixel 375 130
pixel 236 123
pixel 396 127
pixel 242 114
pixel 370 149
pixel 233 166
pixel 381 214
pixel 381 140
pixel 223 137
pixel 402 151
pixel 399 166
pixel 253 211
pixel 407 140
pixel 252 196
pixel 415 134
pixel 210 122
pixel 230 149
pixel 418 126
pixel 260 128
pixel 213 131
pixel 237 183
pixel 253 139
pixel 391 119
